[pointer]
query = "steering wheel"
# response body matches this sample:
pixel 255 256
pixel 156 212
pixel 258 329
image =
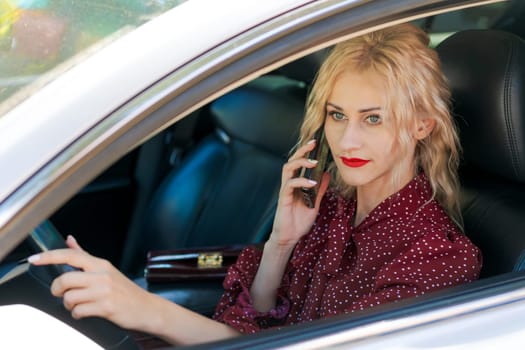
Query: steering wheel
pixel 29 284
pixel 43 238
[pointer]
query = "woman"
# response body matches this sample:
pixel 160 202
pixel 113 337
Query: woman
pixel 386 223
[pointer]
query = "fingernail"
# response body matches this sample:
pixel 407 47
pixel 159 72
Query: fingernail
pixel 311 141
pixel 33 258
pixel 313 161
pixel 313 182
pixel 70 237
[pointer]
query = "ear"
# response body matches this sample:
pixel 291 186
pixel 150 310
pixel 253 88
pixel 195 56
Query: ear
pixel 424 127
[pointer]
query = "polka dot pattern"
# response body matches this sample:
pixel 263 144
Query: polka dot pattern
pixel 407 246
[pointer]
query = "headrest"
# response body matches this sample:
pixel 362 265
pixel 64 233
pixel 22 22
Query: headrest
pixel 486 72
pixel 264 118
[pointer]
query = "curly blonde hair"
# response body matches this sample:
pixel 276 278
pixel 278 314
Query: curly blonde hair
pixel 416 88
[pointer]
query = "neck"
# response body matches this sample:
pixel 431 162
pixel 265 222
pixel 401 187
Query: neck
pixel 369 197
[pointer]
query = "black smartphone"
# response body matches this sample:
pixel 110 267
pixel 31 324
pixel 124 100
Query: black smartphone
pixel 321 153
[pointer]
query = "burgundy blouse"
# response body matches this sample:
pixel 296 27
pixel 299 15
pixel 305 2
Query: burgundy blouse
pixel 405 247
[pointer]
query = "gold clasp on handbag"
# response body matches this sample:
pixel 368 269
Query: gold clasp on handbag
pixel 209 260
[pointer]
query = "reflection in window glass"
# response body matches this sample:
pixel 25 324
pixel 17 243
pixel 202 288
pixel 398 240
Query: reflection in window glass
pixel 37 35
pixel 482 17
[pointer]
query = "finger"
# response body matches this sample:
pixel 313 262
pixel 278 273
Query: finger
pixel 291 168
pixel 323 187
pixel 74 257
pixel 69 281
pixel 301 151
pixel 87 309
pixel 72 243
pixel 298 182
pixel 100 307
pixel 74 297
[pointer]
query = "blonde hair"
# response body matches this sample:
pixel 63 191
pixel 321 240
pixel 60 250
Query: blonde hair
pixel 416 88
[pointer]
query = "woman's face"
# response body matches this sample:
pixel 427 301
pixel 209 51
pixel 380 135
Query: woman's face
pixel 361 135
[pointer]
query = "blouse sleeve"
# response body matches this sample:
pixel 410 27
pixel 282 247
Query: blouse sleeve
pixel 433 262
pixel 235 308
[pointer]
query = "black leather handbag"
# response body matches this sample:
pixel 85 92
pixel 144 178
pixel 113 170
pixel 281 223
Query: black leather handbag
pixel 195 264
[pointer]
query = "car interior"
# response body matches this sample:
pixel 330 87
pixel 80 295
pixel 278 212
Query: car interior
pixel 213 178
pixel 230 179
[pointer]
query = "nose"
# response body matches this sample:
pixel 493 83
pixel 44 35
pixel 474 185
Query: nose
pixel 351 136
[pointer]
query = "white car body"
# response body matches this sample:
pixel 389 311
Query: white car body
pixel 49 138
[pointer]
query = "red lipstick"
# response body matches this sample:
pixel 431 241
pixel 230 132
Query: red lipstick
pixel 354 162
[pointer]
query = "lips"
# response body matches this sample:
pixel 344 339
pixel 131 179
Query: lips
pixel 354 162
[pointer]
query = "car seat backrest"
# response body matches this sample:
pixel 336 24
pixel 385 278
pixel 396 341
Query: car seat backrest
pixel 225 189
pixel 486 72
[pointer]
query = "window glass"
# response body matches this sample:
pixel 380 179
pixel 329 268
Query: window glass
pixel 481 17
pixel 38 35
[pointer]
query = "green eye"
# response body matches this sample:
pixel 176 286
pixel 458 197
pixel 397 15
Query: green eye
pixel 373 119
pixel 337 115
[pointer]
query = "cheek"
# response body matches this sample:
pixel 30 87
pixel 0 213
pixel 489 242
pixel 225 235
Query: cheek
pixel 384 142
pixel 391 147
pixel 332 133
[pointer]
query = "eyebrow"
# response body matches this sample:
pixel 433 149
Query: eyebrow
pixel 364 110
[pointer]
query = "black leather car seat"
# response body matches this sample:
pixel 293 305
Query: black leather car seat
pixel 486 71
pixel 225 190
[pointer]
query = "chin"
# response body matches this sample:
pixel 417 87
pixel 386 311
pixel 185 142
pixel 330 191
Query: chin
pixel 355 179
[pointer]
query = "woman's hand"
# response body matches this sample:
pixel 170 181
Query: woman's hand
pixel 99 289
pixel 293 219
